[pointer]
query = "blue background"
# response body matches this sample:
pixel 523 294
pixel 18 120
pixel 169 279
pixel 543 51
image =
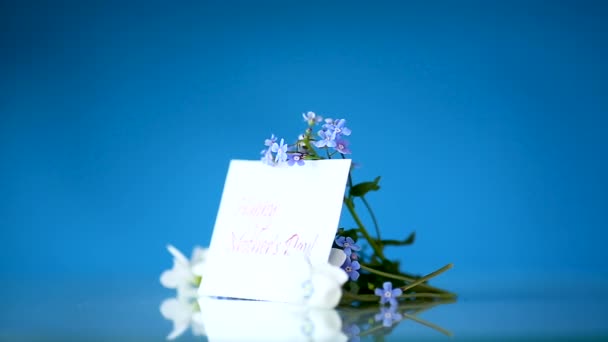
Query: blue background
pixel 486 120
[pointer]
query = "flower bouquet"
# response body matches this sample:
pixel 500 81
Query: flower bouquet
pixel 372 277
pixel 358 273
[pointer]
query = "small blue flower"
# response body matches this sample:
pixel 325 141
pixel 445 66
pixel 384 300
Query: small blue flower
pixel 388 316
pixel 269 142
pixel 348 244
pixel 267 157
pixel 295 158
pixel 387 294
pixel 342 146
pixel 339 129
pixel 351 268
pixel 336 128
pixel 327 139
pixel 280 150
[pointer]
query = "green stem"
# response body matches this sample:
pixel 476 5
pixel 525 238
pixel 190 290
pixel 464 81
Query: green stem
pixel 377 250
pixel 428 324
pixel 374 298
pixel 371 330
pixel 406 279
pixel 371 214
pixel 309 148
pixel 427 277
pixel 350 177
pixel 427 295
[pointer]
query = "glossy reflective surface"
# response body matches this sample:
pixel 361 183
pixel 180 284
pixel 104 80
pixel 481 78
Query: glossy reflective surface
pixel 129 310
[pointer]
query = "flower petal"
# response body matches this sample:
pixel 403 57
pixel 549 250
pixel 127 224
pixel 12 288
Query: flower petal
pixel 175 277
pixel 176 310
pixel 198 269
pixel 198 326
pixel 326 293
pixel 178 329
pixel 199 254
pixel 337 257
pixel 335 273
pixel 327 325
pixel 177 255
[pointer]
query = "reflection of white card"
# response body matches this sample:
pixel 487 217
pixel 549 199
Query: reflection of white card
pixel 267 216
pixel 247 320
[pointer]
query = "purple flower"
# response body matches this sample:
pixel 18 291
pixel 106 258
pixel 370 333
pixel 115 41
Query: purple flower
pixel 295 158
pixel 342 146
pixel 387 294
pixel 348 244
pixel 351 267
pixel 388 316
pixel 327 139
pixel 280 150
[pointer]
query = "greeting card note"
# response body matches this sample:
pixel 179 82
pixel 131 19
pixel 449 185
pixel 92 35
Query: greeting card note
pixel 268 216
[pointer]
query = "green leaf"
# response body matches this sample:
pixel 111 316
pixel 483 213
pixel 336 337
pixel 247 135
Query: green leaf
pixel 352 233
pixel 361 189
pixel 410 240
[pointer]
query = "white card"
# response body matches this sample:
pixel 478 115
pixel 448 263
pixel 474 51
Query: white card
pixel 268 216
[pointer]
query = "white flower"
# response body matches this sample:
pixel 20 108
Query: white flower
pixel 185 276
pixel 337 257
pixel 184 313
pixel 322 288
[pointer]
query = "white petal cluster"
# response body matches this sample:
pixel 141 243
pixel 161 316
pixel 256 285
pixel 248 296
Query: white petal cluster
pixel 185 275
pixel 323 286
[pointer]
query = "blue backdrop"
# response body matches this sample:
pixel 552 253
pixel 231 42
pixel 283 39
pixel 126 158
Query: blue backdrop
pixel 486 120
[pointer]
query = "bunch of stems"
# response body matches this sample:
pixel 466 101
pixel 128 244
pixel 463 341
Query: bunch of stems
pixel 414 288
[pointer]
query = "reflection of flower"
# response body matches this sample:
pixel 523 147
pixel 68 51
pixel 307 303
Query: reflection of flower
pixel 184 313
pixel 387 294
pixel 388 316
pixel 250 320
pixel 185 276
pixel 352 332
pixel 323 325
